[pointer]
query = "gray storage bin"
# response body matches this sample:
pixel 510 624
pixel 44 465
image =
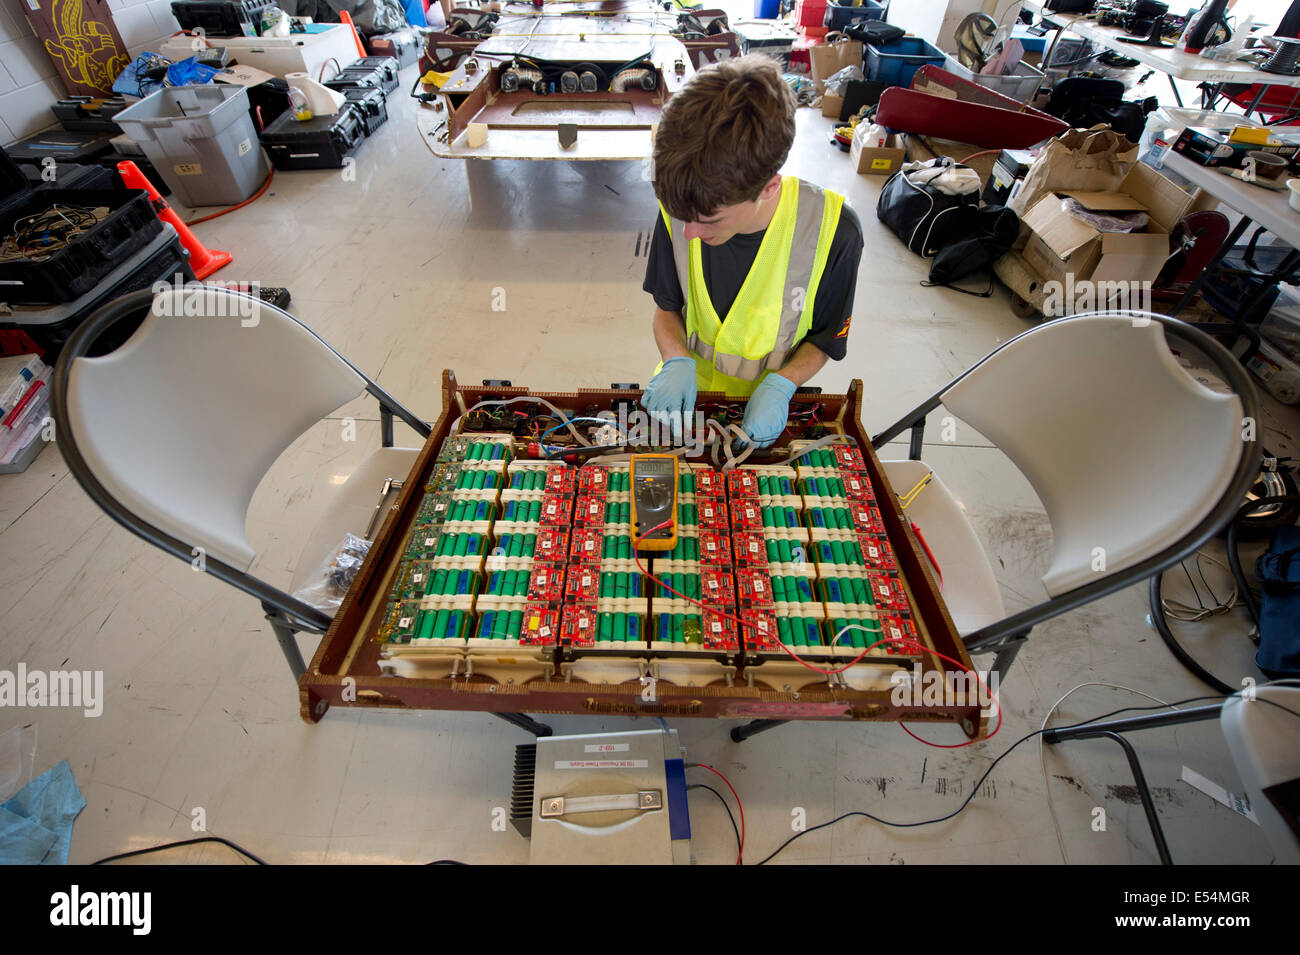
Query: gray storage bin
pixel 201 140
pixel 1021 86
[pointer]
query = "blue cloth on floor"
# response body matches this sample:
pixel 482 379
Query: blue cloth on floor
pixel 36 822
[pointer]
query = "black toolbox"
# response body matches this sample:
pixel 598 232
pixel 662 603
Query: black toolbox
pixel 370 103
pixel 88 114
pixel 68 176
pixel 64 145
pixel 322 142
pixel 77 266
pixel 380 74
pixel 218 18
pixel 405 45
pixel 163 259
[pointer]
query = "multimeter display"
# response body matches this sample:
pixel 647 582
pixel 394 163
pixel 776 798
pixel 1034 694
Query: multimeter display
pixel 654 499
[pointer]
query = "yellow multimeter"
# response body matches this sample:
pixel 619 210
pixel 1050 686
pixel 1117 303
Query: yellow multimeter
pixel 654 500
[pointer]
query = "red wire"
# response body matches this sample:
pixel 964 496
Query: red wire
pixel 905 642
pixel 741 854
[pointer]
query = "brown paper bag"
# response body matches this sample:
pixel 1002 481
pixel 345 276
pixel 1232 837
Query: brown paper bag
pixel 1088 160
pixel 829 58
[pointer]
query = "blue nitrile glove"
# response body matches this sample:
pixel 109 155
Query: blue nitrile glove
pixel 768 409
pixel 670 396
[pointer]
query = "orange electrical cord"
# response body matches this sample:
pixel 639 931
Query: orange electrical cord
pixel 239 205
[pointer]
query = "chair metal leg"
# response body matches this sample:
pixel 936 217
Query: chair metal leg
pixel 284 635
pixel 741 733
pixel 1112 729
pixel 525 723
pixel 1006 654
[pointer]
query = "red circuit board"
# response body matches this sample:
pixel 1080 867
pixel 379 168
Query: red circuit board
pixel 753 588
pixel 586 545
pixel 546 583
pixel 750 549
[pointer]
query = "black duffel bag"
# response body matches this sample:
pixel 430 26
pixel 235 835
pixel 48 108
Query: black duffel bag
pixel 924 217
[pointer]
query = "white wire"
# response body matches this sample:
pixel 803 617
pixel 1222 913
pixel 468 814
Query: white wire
pixel 1042 754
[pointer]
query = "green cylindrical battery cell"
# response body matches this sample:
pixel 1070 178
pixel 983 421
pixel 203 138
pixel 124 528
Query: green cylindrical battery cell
pixel 534 511
pixel 803 589
pixel 530 545
pixel 853 551
pixel 766 511
pixel 633 628
pixel 516 625
pixel 817 517
pixel 605 626
pixel 424 627
pixel 783 630
pixel 500 623
pixel 784 554
pixel 625 512
pixel 606 583
pixel 440 624
pixel 837 552
pixel 772 555
pixel 813 631
pixel 620 627
pixel 778 590
pixel 694 586
pixel 863 592
pixel 621 584
pixel 446 543
pixel 438 585
pixel 679 634
pixel 456 623
pixel 694 513
pixel 522 578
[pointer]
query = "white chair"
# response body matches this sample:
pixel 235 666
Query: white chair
pixel 172 432
pixel 1136 463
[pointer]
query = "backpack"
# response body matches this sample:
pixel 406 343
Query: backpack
pixel 1278 573
pixel 985 236
pixel 925 218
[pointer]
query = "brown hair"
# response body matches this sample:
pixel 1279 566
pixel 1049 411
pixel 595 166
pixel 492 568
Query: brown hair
pixel 723 137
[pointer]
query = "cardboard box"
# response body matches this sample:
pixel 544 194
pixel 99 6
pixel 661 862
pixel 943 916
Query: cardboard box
pixel 878 161
pixel 1063 248
pixel 832 106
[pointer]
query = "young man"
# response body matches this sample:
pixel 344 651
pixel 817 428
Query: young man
pixel 752 272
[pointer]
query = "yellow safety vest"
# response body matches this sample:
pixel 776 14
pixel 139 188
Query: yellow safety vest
pixel 773 309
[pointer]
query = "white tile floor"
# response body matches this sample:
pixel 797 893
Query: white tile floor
pixel 397 269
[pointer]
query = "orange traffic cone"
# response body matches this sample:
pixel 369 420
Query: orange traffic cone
pixel 203 261
pixel 345 17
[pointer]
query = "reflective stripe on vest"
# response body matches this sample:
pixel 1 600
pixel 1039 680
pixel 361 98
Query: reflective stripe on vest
pixel 772 311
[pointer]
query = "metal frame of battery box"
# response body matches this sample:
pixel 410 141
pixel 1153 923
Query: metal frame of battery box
pixel 348 659
pixel 523 124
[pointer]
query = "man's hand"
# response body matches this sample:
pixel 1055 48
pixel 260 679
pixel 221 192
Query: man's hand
pixel 670 396
pixel 768 409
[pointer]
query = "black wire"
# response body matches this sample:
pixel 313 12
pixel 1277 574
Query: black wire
pixel 1003 755
pixel 721 799
pixel 176 845
pixel 446 862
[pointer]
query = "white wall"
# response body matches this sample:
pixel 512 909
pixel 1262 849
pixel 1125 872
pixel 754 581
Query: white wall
pixel 28 84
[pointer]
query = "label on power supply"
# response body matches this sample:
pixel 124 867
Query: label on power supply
pixel 607 747
pixel 602 764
